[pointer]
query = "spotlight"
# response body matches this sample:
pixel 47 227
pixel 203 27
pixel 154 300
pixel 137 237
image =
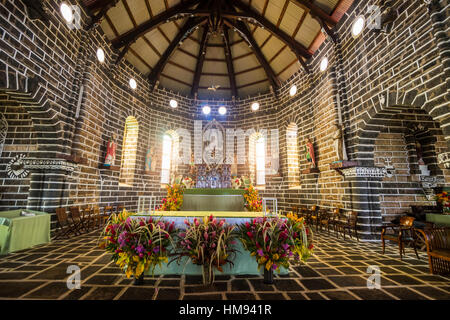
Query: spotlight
pixel 173 104
pixel 255 106
pixel 206 110
pixel 66 12
pixel 100 55
pixel 358 26
pixel 324 64
pixel 222 111
pixel 133 84
pixel 293 90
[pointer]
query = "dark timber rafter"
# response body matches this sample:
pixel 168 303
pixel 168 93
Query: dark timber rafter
pixel 316 11
pixel 200 61
pixel 299 50
pixel 246 34
pixel 184 32
pixel 175 12
pixel 99 16
pixel 229 59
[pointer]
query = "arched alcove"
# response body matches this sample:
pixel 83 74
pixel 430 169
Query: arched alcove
pixel 292 155
pixel 129 152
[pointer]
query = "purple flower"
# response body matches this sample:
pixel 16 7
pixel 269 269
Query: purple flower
pixel 140 249
pixel 274 266
pixel 285 246
pixel 260 252
pixel 156 249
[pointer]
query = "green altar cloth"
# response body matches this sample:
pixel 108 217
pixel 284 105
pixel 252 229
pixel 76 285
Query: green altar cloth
pixel 213 200
pixel 440 220
pixel 19 233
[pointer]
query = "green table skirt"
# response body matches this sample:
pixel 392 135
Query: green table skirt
pixel 19 233
pixel 244 264
pixel 440 220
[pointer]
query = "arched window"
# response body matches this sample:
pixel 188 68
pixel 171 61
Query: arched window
pixel 129 152
pixel 170 147
pixel 257 158
pixel 3 132
pixel 292 155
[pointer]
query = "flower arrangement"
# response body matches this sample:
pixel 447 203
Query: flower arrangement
pixel 208 243
pixel 174 199
pixel 443 199
pixel 301 236
pixel 274 241
pixel 137 244
pixel 252 203
pixel 236 183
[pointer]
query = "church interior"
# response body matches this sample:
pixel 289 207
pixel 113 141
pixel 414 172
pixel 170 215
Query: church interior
pixel 224 150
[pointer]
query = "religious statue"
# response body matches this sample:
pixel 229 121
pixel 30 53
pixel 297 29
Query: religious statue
pixel 234 168
pixel 310 156
pixel 338 142
pixel 419 152
pixel 192 165
pixel 150 160
pixel 111 151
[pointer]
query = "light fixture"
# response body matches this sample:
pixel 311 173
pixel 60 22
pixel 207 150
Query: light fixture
pixel 255 106
pixel 206 110
pixel 222 111
pixel 324 64
pixel 358 26
pixel 293 90
pixel 173 104
pixel 66 12
pixel 133 84
pixel 100 55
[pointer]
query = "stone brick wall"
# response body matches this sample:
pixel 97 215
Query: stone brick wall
pixel 385 83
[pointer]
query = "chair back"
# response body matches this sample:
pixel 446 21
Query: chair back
pixel 75 213
pixel 314 208
pixel 61 215
pixel 87 212
pixel 352 218
pixel 108 210
pixel 407 221
pixel 120 208
pixel 96 210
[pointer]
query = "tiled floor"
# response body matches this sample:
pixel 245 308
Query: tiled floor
pixel 337 271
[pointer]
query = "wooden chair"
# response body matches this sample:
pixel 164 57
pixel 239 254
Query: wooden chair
pixel 324 219
pixel 313 216
pixel 351 224
pixel 303 212
pixel 336 221
pixel 403 233
pixel 78 218
pixel 438 249
pixel 66 226
pixel 89 218
pixel 107 212
pixel 97 216
pixel 120 208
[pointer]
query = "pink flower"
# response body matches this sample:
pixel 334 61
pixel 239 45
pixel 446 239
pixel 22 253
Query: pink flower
pixel 250 235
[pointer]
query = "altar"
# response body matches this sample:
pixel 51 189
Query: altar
pixel 213 200
pixel 244 263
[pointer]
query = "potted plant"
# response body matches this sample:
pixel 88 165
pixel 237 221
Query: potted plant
pixel 443 200
pixel 252 202
pixel 274 242
pixel 208 243
pixel 138 245
pixel 174 199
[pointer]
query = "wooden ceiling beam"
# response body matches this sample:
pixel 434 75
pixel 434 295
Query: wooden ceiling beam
pixel 174 12
pixel 96 19
pixel 229 59
pixel 200 61
pixel 246 34
pixel 255 18
pixel 185 31
pixel 316 11
pixel 94 6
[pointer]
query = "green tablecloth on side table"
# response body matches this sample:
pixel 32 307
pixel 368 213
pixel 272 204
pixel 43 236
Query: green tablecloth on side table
pixel 19 233
pixel 440 220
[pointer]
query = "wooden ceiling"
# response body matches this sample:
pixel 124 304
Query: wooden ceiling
pixel 238 47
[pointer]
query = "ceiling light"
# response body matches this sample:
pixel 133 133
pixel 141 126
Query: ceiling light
pixel 66 12
pixel 206 110
pixel 324 64
pixel 255 106
pixel 173 104
pixel 100 55
pixel 222 111
pixel 133 84
pixel 358 26
pixel 293 90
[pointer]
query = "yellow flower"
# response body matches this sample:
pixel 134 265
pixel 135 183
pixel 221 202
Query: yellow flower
pixel 269 265
pixel 276 257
